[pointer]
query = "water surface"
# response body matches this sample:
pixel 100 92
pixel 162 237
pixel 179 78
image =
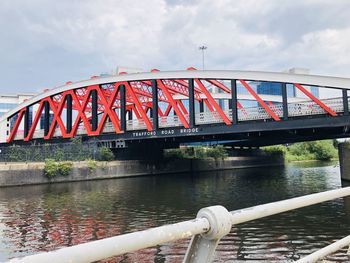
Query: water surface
pixel 47 217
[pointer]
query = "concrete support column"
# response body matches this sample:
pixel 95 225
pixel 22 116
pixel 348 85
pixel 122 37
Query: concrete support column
pixel 344 157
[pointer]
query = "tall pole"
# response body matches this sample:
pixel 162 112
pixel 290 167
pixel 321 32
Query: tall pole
pixel 203 48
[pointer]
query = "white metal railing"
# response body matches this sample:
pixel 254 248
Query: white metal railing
pixel 212 223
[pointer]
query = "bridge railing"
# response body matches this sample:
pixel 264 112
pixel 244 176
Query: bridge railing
pixel 212 223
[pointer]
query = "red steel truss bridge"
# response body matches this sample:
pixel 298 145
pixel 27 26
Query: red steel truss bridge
pixel 184 106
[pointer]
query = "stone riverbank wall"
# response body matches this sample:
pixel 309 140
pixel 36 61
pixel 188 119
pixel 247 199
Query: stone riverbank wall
pixel 12 174
pixel 344 161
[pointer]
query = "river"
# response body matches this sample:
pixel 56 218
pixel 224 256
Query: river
pixel 46 217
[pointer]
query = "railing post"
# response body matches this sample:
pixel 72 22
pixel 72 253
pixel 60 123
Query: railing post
pixel 201 106
pixel 202 247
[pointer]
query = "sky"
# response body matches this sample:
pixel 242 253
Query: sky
pixel 46 43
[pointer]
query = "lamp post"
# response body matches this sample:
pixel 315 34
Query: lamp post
pixel 203 48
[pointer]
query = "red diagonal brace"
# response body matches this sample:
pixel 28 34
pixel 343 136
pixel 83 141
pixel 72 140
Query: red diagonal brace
pixel 261 102
pixel 81 115
pixel 14 130
pixel 35 122
pixel 320 103
pixel 167 111
pixel 182 106
pixel 57 110
pixel 139 106
pixel 172 102
pixel 213 102
pixel 107 110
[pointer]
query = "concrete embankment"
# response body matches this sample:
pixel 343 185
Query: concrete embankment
pixel 12 174
pixel 344 160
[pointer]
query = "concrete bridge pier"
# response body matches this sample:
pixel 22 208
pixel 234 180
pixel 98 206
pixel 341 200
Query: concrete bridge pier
pixel 146 150
pixel 344 160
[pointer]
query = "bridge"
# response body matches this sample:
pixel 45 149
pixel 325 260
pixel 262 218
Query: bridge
pixel 183 106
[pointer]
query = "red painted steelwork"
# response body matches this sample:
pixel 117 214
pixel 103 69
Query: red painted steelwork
pixel 138 106
pixel 261 102
pixel 173 94
pixel 213 102
pixel 320 103
pixel 14 130
pixel 173 104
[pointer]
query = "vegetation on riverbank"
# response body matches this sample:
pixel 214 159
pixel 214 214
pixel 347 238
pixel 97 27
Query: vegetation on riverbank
pixel 304 151
pixel 215 152
pixel 53 168
pixel 75 150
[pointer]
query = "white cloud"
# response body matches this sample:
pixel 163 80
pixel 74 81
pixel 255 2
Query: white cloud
pixel 51 42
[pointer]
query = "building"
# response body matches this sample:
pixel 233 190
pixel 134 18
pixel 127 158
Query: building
pixel 10 101
pixel 270 88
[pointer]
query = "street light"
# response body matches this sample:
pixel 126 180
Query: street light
pixel 203 48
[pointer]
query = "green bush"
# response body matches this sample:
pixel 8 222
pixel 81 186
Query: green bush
pixel 105 154
pixel 323 150
pixel 173 154
pixel 218 152
pixel 53 168
pixel 64 168
pixel 215 152
pixel 275 149
pixel 50 169
pixel 316 150
pixel 91 164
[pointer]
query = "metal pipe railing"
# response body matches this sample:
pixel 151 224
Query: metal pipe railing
pixel 113 246
pixel 320 254
pixel 211 225
pixel 260 211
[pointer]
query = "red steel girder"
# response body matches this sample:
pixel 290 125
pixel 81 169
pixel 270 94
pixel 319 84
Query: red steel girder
pixel 35 122
pixel 108 112
pixel 139 106
pixel 81 114
pixel 14 130
pixel 57 111
pixel 172 102
pixel 213 102
pixel 261 102
pixel 318 102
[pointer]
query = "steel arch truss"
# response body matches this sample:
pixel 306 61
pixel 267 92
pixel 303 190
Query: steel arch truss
pixel 160 103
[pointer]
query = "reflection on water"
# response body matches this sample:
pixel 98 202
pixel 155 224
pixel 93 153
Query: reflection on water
pixel 47 217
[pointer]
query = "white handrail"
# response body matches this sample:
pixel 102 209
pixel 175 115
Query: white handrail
pixel 211 225
pixel 114 246
pixel 320 254
pixel 260 211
